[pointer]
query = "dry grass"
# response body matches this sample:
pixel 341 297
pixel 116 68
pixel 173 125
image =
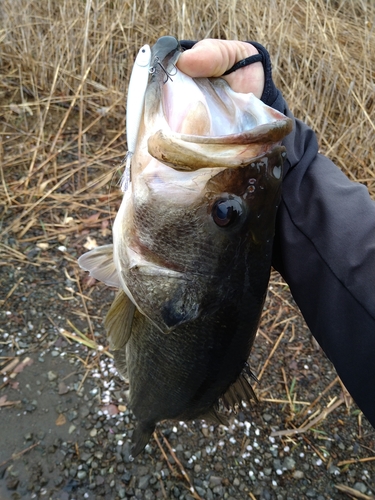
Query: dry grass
pixel 65 68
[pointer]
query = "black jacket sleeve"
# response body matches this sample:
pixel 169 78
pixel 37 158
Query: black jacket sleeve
pixel 324 248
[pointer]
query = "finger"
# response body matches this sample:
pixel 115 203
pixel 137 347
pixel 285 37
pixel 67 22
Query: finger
pixel 212 58
pixel 248 79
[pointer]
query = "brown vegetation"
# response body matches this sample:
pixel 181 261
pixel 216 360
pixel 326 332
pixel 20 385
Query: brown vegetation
pixel 65 67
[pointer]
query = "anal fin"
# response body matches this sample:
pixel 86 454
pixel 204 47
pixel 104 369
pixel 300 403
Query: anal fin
pixel 214 416
pixel 240 391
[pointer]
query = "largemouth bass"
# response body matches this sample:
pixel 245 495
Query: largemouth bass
pixel 192 245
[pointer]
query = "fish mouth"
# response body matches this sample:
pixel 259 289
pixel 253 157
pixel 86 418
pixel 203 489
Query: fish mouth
pixel 203 122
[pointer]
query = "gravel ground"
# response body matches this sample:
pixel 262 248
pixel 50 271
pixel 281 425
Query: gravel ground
pixel 65 427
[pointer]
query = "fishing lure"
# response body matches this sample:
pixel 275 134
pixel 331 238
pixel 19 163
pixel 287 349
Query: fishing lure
pixel 134 106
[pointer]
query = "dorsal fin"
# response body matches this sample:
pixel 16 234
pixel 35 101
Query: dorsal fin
pixel 119 320
pixel 99 262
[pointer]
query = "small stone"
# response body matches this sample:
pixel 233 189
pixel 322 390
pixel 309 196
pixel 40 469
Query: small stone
pixel 236 481
pixel 73 471
pixel 58 480
pixel 126 477
pixel 277 464
pixel 144 482
pixel 72 415
pixel 143 470
pixel 333 469
pixel 81 474
pixel 121 492
pixel 311 493
pixel 51 376
pixel 360 487
pixel 84 412
pixel 298 474
pixel 99 480
pixel 219 490
pixel 267 417
pixel 55 354
pixel 63 388
pixel 215 481
pixel 209 494
pixel 12 483
pixel 93 432
pixel 200 491
pixel 289 463
pixel 72 428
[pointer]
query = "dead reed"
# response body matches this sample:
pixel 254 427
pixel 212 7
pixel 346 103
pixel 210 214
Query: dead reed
pixel 65 67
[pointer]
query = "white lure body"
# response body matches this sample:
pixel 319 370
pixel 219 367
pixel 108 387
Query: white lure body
pixel 136 95
pixel 134 106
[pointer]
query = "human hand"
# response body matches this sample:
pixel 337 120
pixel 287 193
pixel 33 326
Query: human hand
pixel 212 58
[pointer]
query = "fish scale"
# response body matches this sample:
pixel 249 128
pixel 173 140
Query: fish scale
pixel 154 233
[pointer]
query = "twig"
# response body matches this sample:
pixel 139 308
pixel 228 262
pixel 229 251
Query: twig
pixel 9 367
pixel 19 454
pixel 284 401
pixel 301 430
pixel 287 391
pixel 352 492
pixel 355 461
pixel 329 386
pixel 84 303
pixel 183 471
pixel 272 352
pixel 163 453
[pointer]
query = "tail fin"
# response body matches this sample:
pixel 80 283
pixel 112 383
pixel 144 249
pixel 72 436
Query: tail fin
pixel 140 438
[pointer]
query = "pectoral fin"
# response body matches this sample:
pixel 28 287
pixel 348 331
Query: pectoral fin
pixel 119 320
pixel 99 262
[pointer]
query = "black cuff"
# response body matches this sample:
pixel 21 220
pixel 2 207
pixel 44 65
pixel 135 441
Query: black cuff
pixel 244 62
pixel 270 92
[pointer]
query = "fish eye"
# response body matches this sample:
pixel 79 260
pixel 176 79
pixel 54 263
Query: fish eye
pixel 226 212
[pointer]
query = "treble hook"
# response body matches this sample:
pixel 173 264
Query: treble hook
pixel 168 75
